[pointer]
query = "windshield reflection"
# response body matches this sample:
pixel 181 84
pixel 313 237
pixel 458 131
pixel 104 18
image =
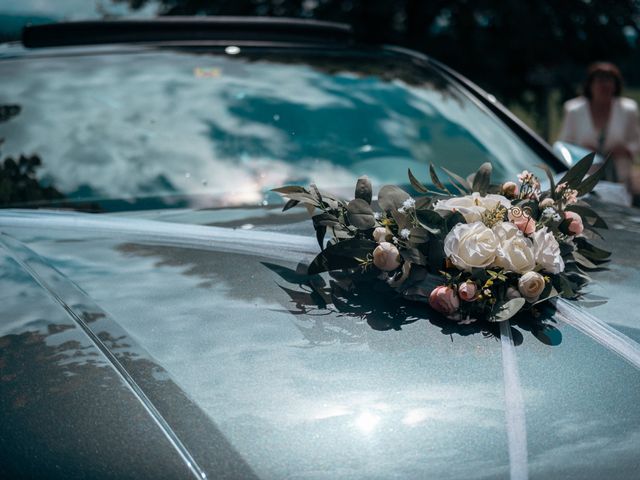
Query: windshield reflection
pixel 152 131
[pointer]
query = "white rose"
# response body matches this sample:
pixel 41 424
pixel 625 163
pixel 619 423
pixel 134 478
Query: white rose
pixel 472 206
pixel 531 285
pixel 515 253
pixel 471 245
pixel 386 257
pixel 546 251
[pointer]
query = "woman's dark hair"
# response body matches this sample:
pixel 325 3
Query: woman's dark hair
pixel 602 69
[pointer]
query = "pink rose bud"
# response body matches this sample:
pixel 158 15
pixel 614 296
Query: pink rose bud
pixel 467 291
pixel 575 226
pixel 386 257
pixel 380 234
pixel 510 189
pixel 524 222
pixel 444 300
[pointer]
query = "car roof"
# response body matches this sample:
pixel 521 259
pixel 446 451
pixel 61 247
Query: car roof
pixel 187 29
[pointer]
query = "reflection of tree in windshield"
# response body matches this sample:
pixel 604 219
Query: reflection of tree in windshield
pixel 18 181
pixel 19 185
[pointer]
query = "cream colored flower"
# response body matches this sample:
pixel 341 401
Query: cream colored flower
pixel 515 253
pixel 386 257
pixel 472 206
pixel 546 251
pixel 380 234
pixel 471 245
pixel 531 285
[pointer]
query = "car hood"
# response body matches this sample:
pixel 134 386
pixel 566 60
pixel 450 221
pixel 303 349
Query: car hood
pixel 294 377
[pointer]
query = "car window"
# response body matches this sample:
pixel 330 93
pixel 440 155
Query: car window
pixel 159 128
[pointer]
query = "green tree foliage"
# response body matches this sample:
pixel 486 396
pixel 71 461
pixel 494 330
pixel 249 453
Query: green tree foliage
pixel 517 49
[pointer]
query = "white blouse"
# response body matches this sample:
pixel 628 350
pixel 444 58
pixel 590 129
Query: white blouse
pixel 623 128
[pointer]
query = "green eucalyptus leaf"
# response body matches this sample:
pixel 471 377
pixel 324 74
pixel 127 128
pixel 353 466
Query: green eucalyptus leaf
pixel 325 219
pixel 434 178
pixel 360 214
pixel 435 254
pixel 552 184
pixel 290 204
pixel 364 189
pixel 321 230
pixel 582 260
pixel 391 198
pixel 303 197
pixel 423 203
pixel 418 235
pixel 591 251
pixel 577 172
pixel 416 184
pixel 592 180
pixel 316 193
pixel 482 179
pixel 341 255
pixel 453 219
pixel 548 293
pixel 457 181
pixel 402 220
pixel 565 286
pixel 413 255
pixel 289 189
pixel 591 232
pixel 430 220
pixel 504 311
pixel 588 215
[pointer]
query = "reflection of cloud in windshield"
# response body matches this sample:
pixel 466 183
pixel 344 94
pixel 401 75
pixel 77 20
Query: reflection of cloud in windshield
pixel 147 121
pixel 151 125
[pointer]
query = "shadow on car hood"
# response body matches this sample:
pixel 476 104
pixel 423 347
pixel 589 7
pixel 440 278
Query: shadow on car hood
pixel 304 380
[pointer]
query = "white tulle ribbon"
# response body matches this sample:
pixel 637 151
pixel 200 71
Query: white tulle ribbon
pixel 270 245
pixel 514 407
pixel 598 330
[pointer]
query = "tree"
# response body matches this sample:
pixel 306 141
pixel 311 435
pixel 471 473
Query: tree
pixel 518 49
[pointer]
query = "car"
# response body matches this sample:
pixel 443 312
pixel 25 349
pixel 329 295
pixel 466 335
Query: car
pixel 157 317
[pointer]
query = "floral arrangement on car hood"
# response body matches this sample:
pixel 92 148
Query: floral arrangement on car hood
pixel 485 254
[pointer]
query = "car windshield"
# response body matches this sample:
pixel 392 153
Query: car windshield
pixel 107 129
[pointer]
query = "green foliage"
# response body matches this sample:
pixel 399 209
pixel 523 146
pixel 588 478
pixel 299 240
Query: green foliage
pixel 576 173
pixel 505 310
pixel 549 42
pixel 391 198
pixel 360 214
pixel 345 254
pixel 482 179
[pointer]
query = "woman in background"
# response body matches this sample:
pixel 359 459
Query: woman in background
pixel 603 121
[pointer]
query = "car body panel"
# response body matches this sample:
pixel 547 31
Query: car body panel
pixel 62 402
pixel 303 388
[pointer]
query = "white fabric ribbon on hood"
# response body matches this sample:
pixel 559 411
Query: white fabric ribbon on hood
pixel 601 332
pixel 514 407
pixel 271 245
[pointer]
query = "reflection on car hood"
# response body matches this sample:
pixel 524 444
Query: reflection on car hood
pixel 305 380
